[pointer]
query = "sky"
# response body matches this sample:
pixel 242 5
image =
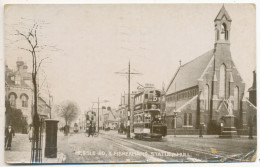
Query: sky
pixel 92 42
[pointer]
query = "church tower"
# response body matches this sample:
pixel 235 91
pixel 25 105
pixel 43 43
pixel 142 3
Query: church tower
pixel 222 27
pixel 223 85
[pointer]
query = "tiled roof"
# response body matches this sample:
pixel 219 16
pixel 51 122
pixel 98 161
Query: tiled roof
pixel 188 74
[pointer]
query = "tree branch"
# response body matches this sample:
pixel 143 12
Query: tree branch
pixel 25 49
pixel 39 65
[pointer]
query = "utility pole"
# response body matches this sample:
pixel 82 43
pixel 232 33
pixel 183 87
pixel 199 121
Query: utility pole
pixel 129 73
pixel 129 110
pixel 98 102
pixel 98 114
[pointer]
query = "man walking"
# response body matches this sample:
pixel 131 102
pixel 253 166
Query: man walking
pixel 9 134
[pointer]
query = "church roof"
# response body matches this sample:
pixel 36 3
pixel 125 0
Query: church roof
pixel 188 74
pixel 223 13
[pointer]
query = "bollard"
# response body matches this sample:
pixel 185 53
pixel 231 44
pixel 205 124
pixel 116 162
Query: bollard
pixel 51 138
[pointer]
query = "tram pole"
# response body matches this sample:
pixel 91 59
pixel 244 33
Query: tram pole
pixel 128 73
pixel 129 110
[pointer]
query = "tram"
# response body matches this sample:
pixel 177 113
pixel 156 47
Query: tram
pixel 147 115
pixel 76 128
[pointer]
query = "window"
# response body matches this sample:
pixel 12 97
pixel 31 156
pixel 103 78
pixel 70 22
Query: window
pixel 24 99
pixel 236 98
pixel 173 123
pixel 146 96
pixel 222 81
pixel 17 80
pixel 206 96
pixel 190 119
pixel 12 99
pixel 185 118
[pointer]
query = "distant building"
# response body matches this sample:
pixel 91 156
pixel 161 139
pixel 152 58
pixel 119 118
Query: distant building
pixel 198 92
pixel 111 119
pixel 123 108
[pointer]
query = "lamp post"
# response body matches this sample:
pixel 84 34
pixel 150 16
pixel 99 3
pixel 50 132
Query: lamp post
pixel 50 103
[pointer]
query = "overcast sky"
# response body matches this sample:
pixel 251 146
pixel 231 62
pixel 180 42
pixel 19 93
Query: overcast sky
pixel 95 41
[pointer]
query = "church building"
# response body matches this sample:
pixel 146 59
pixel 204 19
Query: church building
pixel 198 94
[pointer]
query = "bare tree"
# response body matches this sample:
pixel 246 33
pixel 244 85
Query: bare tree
pixel 68 110
pixel 32 40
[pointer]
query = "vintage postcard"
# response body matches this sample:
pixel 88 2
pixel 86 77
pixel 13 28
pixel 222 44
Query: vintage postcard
pixel 130 83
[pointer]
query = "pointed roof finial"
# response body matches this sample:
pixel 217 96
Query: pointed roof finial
pixel 223 12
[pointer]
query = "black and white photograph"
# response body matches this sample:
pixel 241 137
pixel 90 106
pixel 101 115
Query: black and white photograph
pixel 130 83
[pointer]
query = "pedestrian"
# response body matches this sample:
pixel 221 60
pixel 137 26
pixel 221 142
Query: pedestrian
pixel 90 130
pixel 9 134
pixel 30 133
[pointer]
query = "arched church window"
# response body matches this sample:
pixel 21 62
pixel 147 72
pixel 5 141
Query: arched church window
pixel 206 96
pixel 173 123
pixel 185 118
pixel 222 80
pixel 190 119
pixel 236 98
pixel 223 33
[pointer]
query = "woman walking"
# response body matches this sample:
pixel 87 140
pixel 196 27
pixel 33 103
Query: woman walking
pixel 30 133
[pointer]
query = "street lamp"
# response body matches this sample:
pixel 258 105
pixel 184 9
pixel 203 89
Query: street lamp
pixel 98 102
pixel 50 103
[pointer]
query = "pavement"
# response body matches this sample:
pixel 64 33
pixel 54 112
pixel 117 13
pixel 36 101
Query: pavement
pixel 21 151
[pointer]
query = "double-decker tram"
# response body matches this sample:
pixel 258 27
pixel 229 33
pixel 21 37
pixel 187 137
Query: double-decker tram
pixel 147 117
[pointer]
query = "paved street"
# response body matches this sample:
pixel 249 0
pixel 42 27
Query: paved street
pixel 110 147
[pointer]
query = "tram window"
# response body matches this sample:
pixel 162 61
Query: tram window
pixel 149 106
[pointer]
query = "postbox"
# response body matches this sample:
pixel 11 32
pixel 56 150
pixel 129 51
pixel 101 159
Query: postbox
pixel 51 138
